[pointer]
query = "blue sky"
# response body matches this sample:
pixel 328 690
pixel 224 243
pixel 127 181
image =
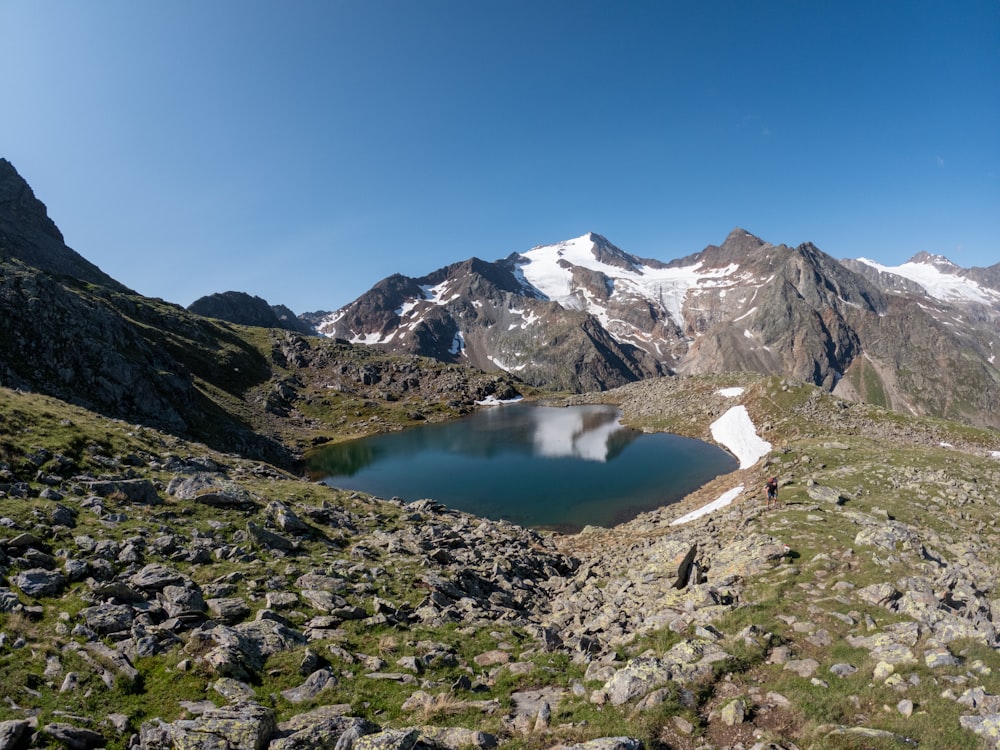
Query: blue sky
pixel 301 151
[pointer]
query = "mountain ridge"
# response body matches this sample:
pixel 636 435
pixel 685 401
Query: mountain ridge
pixel 744 305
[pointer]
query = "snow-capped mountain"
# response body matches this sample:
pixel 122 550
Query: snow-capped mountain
pixel 584 314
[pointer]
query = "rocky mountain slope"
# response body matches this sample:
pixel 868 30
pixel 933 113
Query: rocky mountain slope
pixel 158 594
pixel 584 315
pixel 248 310
pixel 72 332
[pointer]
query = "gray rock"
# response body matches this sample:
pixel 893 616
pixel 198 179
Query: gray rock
pixel 73 737
pixel 825 495
pixel 229 610
pixel 155 576
pixel 211 489
pixel 15 734
pixel 457 738
pixel 324 728
pixel 389 739
pixel 269 539
pixel 285 519
pixel 244 726
pixel 38 582
pixel 108 618
pixel 315 684
pixel 637 678
pixel 802 667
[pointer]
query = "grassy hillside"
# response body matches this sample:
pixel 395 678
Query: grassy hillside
pixel 416 616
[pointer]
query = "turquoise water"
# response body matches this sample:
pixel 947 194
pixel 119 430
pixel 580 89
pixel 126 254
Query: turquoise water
pixel 538 466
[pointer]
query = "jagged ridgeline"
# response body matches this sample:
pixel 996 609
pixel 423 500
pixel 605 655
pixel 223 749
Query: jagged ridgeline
pixel 585 315
pixel 168 581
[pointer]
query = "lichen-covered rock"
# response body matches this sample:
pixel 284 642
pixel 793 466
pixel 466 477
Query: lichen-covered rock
pixel 734 712
pixel 637 678
pixel 322 729
pixel 987 727
pixel 389 739
pixel 746 557
pixel 244 726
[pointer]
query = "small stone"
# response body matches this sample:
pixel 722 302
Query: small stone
pixel 683 725
pixel 843 670
pixel 882 671
pixel 734 713
pixel 802 667
pixel 905 707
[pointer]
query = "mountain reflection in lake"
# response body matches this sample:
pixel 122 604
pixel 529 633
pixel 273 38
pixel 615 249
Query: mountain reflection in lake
pixel 533 465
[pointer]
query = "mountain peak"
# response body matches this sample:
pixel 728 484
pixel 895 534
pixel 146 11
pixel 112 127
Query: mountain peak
pixel 938 261
pixel 30 236
pixel 743 238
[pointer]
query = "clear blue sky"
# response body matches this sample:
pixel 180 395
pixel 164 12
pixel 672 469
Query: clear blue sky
pixel 304 150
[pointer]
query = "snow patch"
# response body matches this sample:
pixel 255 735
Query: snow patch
pixel 492 400
pixel 736 431
pixel 547 270
pixel 720 502
pixel 730 392
pixel 938 284
pixel 995 454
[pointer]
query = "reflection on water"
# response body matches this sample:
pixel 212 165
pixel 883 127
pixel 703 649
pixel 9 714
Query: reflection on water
pixel 533 465
pixel 590 433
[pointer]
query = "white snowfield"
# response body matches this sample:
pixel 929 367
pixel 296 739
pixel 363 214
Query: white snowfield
pixel 947 287
pixel 730 392
pixel 547 269
pixel 735 430
pixel 720 502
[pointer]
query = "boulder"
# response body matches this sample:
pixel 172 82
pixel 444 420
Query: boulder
pixel 244 726
pixel 38 582
pixel 15 734
pixel 321 729
pixel 74 737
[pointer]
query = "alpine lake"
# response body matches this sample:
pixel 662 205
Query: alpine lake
pixel 558 468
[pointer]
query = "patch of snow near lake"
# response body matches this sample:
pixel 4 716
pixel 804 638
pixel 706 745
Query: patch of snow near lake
pixel 492 400
pixel 730 392
pixel 736 432
pixel 720 502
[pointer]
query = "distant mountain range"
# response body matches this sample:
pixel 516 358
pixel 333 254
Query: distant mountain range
pixel 580 315
pixel 583 315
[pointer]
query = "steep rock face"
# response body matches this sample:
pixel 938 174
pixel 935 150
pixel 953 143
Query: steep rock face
pixel 125 356
pixel 29 235
pixel 788 310
pixel 244 309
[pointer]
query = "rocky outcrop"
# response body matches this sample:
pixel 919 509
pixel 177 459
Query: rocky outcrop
pixel 248 310
pixel 28 235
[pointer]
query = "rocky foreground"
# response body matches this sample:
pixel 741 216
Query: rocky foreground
pixel 159 595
